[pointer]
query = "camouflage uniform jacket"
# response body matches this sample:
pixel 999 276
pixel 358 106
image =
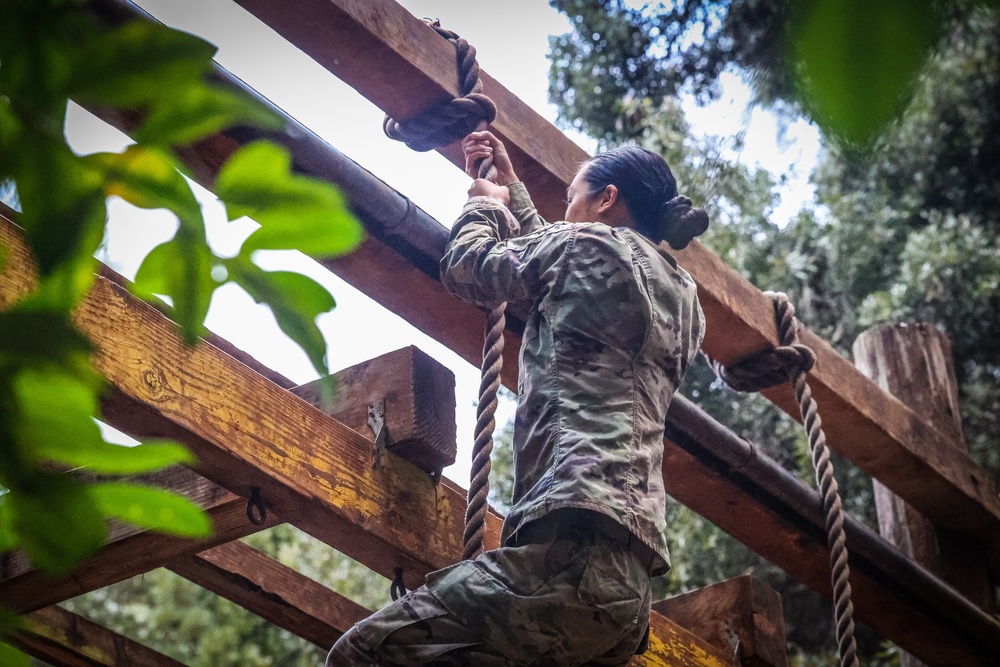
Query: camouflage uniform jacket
pixel 614 323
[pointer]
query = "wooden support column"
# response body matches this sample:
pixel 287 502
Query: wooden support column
pixel 418 398
pixel 741 615
pixel 64 639
pixel 276 593
pixel 913 362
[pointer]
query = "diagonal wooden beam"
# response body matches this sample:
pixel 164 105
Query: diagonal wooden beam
pixel 129 550
pixel 275 592
pixel 404 67
pixel 64 639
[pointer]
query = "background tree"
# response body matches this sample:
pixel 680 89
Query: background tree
pixel 903 226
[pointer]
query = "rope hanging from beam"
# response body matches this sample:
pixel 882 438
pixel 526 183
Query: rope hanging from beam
pixel 791 361
pixel 435 128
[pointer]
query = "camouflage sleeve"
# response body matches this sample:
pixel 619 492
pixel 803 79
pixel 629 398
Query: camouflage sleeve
pixel 479 268
pixel 524 209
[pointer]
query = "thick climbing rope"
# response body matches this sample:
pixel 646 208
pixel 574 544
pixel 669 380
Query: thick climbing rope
pixel 434 128
pixel 791 361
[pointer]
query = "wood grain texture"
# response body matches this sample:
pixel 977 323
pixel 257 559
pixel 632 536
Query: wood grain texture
pixel 745 608
pixel 403 67
pixel 273 591
pixel 419 397
pixel 64 639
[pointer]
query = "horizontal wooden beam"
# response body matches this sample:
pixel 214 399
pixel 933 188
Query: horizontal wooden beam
pixel 275 592
pixel 64 639
pixel 402 66
pixel 247 431
pixel 129 550
pixel 741 615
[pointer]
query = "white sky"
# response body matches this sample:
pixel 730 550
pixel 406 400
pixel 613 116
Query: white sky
pixel 512 45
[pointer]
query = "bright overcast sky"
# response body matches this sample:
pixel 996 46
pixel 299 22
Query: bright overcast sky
pixel 512 45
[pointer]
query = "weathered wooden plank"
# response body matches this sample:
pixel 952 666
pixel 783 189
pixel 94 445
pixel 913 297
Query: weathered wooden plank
pixel 64 639
pixel 418 394
pixel 401 65
pixel 744 610
pixel 273 591
pixel 129 551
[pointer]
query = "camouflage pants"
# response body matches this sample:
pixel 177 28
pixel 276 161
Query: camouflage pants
pixel 579 599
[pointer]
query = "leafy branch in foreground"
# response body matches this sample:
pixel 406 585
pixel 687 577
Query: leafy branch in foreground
pixel 51 52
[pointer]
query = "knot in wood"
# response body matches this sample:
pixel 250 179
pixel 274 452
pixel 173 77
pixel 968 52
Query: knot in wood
pixel 447 123
pixel 154 382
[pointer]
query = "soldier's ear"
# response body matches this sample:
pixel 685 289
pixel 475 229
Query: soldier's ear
pixel 607 198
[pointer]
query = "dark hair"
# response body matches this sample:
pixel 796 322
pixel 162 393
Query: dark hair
pixel 647 186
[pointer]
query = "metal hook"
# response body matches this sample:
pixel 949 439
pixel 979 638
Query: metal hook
pixel 397 589
pixel 256 512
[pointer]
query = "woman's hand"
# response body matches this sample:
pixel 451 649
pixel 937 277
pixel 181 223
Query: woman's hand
pixel 483 188
pixel 479 145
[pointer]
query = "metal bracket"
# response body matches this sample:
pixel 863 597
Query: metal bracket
pixel 376 420
pixel 733 638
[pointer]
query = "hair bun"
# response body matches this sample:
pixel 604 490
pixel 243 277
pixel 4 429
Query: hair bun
pixel 681 222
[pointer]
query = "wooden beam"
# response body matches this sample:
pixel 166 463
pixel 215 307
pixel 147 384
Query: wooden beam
pixel 402 66
pixel 418 396
pixel 744 492
pixel 247 432
pixel 129 550
pixel 64 639
pixel 741 615
pixel 276 593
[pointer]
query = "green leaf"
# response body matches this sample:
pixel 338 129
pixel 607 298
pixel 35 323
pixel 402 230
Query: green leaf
pixel 857 60
pixel 296 301
pixel 54 414
pixel 59 523
pixel 200 110
pixel 182 270
pixel 152 508
pixel 63 206
pixel 12 657
pixel 8 536
pixel 136 63
pixel 37 337
pixel 149 178
pixel 295 212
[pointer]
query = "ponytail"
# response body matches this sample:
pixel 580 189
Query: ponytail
pixel 649 190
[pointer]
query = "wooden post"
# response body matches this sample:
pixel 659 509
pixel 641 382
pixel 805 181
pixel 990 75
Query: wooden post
pixel 914 363
pixel 741 615
pixel 418 395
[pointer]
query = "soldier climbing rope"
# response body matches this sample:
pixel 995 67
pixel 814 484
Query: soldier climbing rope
pixel 446 124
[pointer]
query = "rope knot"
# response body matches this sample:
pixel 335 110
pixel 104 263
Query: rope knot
pixel 768 368
pixel 447 123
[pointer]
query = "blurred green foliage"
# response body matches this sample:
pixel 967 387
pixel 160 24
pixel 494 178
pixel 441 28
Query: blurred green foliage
pixel 52 52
